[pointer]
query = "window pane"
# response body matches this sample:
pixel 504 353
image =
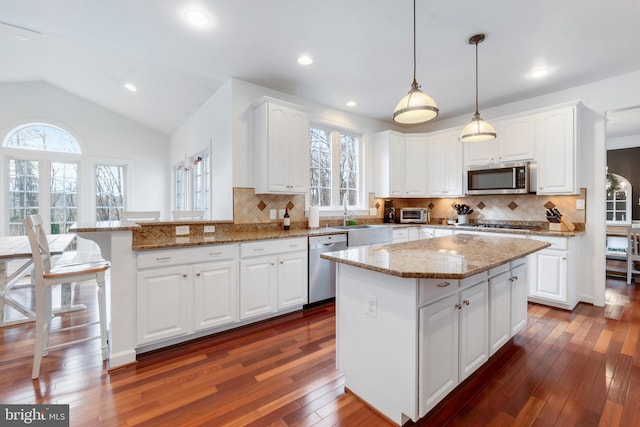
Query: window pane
pixel 349 167
pixel 23 193
pixel 63 195
pixel 320 167
pixel 110 184
pixel 42 137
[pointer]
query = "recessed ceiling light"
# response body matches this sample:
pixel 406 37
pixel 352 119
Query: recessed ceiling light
pixel 351 104
pixel 21 37
pixel 539 73
pixel 130 87
pixel 197 18
pixel 305 60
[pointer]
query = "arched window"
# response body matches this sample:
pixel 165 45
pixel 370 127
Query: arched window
pixel 43 178
pixel 42 137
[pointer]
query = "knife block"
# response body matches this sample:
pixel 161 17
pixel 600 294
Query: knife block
pixel 561 226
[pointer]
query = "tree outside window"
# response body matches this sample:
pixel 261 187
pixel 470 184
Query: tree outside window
pixel 110 198
pixel 334 167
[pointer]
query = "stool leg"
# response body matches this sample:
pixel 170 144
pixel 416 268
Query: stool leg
pixel 102 309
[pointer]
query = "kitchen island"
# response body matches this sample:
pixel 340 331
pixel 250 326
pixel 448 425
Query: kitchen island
pixel 415 319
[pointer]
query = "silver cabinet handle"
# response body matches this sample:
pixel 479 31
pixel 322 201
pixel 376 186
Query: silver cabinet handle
pixel 215 253
pixel 443 284
pixel 163 258
pixel 258 249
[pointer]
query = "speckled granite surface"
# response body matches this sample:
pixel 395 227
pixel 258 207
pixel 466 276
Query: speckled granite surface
pixel 448 257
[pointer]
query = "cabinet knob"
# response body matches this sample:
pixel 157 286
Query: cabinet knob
pixel 515 277
pixel 198 274
pixel 273 263
pixel 443 284
pixel 466 302
pixel 281 262
pixel 458 306
pixel 184 275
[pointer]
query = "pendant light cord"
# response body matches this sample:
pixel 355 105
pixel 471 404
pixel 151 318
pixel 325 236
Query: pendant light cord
pixel 414 42
pixel 477 112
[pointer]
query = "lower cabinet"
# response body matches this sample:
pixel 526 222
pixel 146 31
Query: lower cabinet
pixel 474 328
pixel 215 294
pixel 273 276
pixel 552 278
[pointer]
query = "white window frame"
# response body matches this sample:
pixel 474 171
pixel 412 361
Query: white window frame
pixel 336 207
pixel 186 168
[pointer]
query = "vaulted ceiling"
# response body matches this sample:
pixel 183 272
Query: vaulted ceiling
pixel 362 50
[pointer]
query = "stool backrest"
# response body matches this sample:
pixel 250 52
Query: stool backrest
pixel 39 244
pixel 633 243
pixel 141 215
pixel 187 214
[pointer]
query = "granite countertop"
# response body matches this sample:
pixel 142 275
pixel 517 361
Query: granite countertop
pixel 448 257
pixel 540 232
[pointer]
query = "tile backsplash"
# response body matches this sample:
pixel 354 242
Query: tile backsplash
pixel 251 208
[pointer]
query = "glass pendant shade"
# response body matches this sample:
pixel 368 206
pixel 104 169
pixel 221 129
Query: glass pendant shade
pixel 477 131
pixel 415 107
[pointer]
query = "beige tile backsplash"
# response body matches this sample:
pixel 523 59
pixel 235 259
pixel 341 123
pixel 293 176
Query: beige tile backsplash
pixel 247 206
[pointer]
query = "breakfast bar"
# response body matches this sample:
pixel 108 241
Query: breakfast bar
pixel 415 319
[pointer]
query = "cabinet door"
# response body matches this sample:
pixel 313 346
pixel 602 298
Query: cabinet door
pixel 555 149
pixel 298 158
pixel 400 235
pixel 444 165
pixel 415 166
pixel 292 280
pixel 278 148
pixel 413 234
pixel 427 233
pixel 162 301
pixel 518 298
pixel 438 352
pixel 397 175
pixel 516 139
pixel 474 328
pixel 499 313
pixel 257 286
pixel 480 153
pixel 548 275
pixel 215 294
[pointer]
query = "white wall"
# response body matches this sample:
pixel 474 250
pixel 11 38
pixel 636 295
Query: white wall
pixel 104 135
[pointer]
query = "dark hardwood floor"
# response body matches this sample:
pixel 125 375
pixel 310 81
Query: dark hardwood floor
pixel 565 368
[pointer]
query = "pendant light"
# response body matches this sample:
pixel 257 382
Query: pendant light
pixel 415 107
pixel 478 130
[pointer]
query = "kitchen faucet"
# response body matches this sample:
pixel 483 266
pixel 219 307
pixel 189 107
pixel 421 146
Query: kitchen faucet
pixel 345 202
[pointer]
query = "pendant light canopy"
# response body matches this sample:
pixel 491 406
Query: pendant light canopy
pixel 477 130
pixel 415 107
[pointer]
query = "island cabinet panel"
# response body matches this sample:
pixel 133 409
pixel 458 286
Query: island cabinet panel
pixel 162 304
pixel 519 290
pixel 474 328
pixel 499 309
pixel 438 356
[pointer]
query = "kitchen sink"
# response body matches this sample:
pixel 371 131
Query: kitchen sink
pixel 366 234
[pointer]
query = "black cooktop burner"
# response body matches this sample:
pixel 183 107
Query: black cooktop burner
pixel 505 226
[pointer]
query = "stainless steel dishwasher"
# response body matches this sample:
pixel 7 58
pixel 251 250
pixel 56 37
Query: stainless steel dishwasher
pixel 322 272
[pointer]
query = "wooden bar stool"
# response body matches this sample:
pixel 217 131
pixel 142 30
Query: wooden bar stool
pixel 45 276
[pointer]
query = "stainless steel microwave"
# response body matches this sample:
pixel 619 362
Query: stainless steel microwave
pixel 505 178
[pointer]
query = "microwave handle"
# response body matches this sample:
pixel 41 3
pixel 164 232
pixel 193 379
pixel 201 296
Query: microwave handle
pixel 515 177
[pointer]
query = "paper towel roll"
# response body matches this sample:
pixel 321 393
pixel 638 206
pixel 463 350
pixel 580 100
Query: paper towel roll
pixel 314 217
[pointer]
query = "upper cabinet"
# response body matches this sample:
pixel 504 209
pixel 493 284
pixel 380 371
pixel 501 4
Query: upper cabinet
pixel 556 135
pixel 281 138
pixel 444 165
pixel 401 162
pixel 515 142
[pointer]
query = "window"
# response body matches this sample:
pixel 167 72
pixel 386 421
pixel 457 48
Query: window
pixel 192 181
pixel 110 196
pixel 334 168
pixel 42 157
pixel 618 208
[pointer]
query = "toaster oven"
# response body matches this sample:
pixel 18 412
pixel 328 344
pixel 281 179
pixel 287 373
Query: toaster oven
pixel 414 215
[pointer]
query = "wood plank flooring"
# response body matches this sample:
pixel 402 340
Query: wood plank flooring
pixel 565 368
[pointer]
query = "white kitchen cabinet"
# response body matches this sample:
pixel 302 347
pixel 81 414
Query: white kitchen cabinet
pixel 514 142
pixel 273 276
pixel 556 151
pixel 444 165
pixel 258 281
pixel 182 291
pixel 281 138
pixel 400 235
pixel 438 351
pixel 474 329
pixel 519 290
pixel 215 294
pixel 162 303
pixel 499 310
pixel 552 278
pixel 401 164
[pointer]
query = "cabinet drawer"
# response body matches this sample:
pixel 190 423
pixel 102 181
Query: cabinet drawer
pixel 433 289
pixel 518 262
pixel 186 255
pixel 476 278
pixel 556 242
pixel 271 247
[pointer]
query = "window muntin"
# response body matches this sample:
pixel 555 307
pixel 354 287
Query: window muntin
pixel 334 159
pixel 109 184
pixel 42 137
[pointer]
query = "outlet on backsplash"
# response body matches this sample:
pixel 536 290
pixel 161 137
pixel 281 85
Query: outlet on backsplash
pixel 181 230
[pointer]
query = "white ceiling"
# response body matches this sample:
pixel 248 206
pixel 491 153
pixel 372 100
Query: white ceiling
pixel 362 50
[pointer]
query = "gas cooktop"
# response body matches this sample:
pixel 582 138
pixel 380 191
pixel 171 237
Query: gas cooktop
pixel 504 226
